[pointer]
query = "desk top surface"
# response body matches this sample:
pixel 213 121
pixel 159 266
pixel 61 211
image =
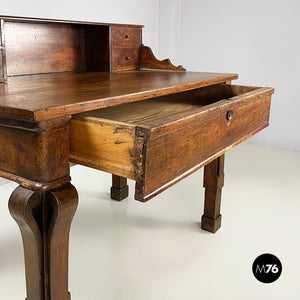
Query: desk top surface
pixel 49 96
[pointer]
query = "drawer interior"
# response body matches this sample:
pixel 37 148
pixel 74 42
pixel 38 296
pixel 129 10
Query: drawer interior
pixel 148 111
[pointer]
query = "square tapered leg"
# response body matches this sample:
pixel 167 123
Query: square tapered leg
pixel 213 183
pixel 119 189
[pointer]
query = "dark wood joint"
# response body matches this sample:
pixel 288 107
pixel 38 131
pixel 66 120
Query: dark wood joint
pixel 142 137
pixel 214 174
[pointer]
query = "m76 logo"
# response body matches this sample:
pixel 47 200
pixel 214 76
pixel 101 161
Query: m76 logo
pixel 267 269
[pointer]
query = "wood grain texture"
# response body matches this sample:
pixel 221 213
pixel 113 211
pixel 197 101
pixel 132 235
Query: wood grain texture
pixel 125 47
pixel 35 185
pixel 149 61
pixel 175 153
pixel 33 47
pixel 35 152
pixel 146 112
pixel 103 145
pixel 44 220
pixel 41 48
pixel 209 105
pixel 127 37
pixel 139 190
pixel 174 133
pixel 169 113
pixel 47 96
pixel 213 182
pixel 125 58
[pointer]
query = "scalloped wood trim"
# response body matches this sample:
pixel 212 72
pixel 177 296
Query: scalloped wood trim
pixel 149 61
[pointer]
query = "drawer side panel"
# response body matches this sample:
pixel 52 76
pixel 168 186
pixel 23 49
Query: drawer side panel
pixel 102 145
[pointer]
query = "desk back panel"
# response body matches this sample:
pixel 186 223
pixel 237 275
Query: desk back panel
pixel 33 48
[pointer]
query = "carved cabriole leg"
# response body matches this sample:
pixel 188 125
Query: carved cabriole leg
pixel 119 189
pixel 213 183
pixel 44 219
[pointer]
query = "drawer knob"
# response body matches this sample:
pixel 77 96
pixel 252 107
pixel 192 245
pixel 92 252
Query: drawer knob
pixel 229 115
pixel 128 58
pixel 127 36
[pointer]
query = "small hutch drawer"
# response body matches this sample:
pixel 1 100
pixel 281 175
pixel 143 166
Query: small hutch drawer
pixel 122 36
pixel 125 46
pixel 125 59
pixel 159 141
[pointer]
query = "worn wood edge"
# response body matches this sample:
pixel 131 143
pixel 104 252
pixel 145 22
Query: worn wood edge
pixel 95 165
pixel 259 92
pixel 18 113
pixel 190 117
pixel 43 20
pixel 71 109
pixel 33 185
pixel 204 112
pixel 149 61
pixel 41 126
pixel 142 198
pixel 84 117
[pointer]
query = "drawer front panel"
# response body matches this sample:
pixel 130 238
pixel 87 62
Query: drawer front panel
pixel 125 58
pixel 171 155
pixel 126 36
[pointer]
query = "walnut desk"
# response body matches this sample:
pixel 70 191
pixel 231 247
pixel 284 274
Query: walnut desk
pixel 71 92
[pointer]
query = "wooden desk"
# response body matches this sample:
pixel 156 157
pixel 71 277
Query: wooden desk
pixel 72 91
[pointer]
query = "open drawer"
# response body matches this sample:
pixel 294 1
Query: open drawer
pixel 161 140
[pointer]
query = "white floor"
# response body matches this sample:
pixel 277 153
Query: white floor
pixel 156 250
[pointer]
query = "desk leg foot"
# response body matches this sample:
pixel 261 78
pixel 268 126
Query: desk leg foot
pixel 119 189
pixel 44 219
pixel 213 183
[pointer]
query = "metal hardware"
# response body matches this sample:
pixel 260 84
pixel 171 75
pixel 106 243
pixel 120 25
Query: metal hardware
pixel 229 115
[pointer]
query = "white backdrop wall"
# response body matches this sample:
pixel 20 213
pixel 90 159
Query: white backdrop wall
pixel 258 39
